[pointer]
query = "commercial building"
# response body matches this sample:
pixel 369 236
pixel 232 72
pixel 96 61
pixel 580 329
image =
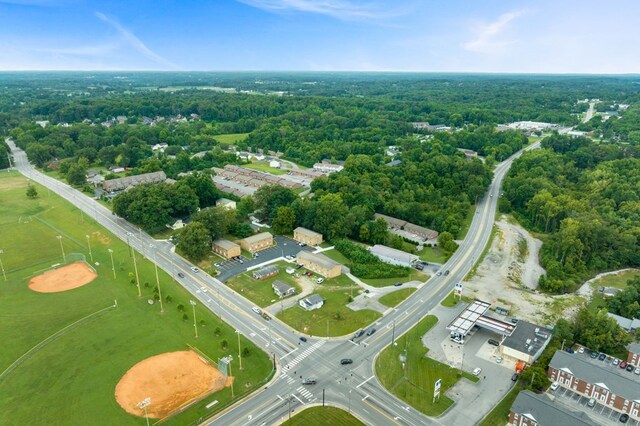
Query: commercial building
pixel 257 242
pixel 315 301
pixel 530 409
pixel 319 263
pixel 526 342
pixel 120 184
pixel 393 256
pixel 606 383
pixel 266 272
pixel 282 289
pixel 307 236
pixel 225 248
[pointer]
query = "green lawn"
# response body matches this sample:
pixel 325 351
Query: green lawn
pixel 618 280
pixel 322 416
pixel 499 416
pixel 451 301
pixel 342 320
pixel 337 256
pixel 231 138
pixel 264 167
pixel 414 275
pixel 74 375
pixel 433 254
pixel 260 292
pixel 393 299
pixel 414 384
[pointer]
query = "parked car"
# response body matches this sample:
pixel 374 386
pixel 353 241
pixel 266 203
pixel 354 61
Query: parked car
pixel 554 386
pixel 622 364
pixel 581 350
pixel 624 418
pixel 419 267
pixel 424 263
pixel 371 331
pixel 591 403
pixel 594 355
pixel 256 310
pixel 514 320
pixel 309 273
pixel 514 378
pixel 397 284
pixel 493 342
pixel 477 371
pixel 180 274
pixel 346 361
pixel 629 367
pixel 320 280
pixel 298 266
pixel 499 359
pixel 194 269
pixel 288 257
pixel 602 357
pixel 637 371
pixel 616 361
pixel 367 291
pixel 240 261
pixel 309 382
pixel 303 339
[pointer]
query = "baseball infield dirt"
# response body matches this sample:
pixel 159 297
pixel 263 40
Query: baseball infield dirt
pixel 63 279
pixel 170 380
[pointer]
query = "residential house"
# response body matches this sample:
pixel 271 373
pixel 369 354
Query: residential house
pixel 327 167
pixel 121 184
pixel 226 203
pixel 393 256
pixel 307 236
pixel 282 289
pixel 319 263
pixel 225 248
pixel 266 272
pixel 315 301
pixel 275 164
pixel 630 325
pixel 257 242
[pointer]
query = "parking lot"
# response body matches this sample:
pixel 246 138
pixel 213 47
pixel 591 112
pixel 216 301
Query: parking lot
pixel 284 247
pixel 600 414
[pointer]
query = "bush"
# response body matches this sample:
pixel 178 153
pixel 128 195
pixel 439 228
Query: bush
pixel 366 265
pixel 224 345
pixel 168 299
pixel 185 317
pixel 246 352
pixel 180 307
pixel 217 331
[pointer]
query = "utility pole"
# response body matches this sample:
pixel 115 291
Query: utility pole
pixel 239 352
pixel 155 264
pixel 195 326
pixel 89 244
pixel 113 265
pixel 135 267
pixel 393 333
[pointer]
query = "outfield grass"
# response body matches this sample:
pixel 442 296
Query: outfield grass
pixel 618 280
pixel 260 292
pixel 230 138
pixel 393 299
pixel 322 416
pixel 74 376
pixel 500 413
pixel 263 167
pixel 342 320
pixel 414 384
pixel 433 255
pixel 414 275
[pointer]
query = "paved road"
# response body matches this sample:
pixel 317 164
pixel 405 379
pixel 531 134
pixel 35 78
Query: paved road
pixel 353 386
pixel 589 115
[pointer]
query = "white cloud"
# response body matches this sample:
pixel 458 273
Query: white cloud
pixel 133 41
pixel 340 9
pixel 490 37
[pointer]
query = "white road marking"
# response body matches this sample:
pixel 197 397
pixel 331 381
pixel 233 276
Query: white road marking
pixel 288 353
pixel 365 382
pixel 293 395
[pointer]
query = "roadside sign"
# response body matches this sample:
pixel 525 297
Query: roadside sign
pixel 436 389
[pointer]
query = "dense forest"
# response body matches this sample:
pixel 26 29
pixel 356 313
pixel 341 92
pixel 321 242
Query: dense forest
pixel 584 197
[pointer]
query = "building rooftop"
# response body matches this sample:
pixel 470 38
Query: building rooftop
pixel 313 299
pixel 634 347
pixel 318 259
pixel 307 232
pixel 223 201
pixel 626 323
pixel 527 338
pixel 267 270
pixel 602 373
pixel 464 322
pixel 225 244
pixel 544 412
pixel 399 255
pixel 281 286
pixel 125 182
pixel 258 237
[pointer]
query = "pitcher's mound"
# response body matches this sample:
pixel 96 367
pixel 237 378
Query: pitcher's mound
pixel 63 279
pixel 170 380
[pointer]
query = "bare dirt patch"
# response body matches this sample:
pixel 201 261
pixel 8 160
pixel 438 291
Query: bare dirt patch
pixel 509 274
pixel 170 380
pixel 63 279
pixel 13 183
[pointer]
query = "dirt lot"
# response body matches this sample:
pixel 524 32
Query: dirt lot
pixel 508 277
pixel 63 279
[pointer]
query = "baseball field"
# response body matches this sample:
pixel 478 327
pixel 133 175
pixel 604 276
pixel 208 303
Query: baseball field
pixel 80 347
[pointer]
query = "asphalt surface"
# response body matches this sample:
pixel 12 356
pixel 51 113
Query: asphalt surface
pixel 353 387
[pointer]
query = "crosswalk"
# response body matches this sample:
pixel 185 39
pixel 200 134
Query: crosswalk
pixel 304 392
pixel 304 354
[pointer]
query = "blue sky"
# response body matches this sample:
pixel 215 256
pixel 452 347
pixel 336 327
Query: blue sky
pixel 537 36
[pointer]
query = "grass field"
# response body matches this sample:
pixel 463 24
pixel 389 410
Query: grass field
pixel 617 281
pixel 433 254
pixel 231 138
pixel 451 301
pixel 322 416
pixel 74 376
pixel 264 167
pixel 337 256
pixel 260 292
pixel 342 320
pixel 414 383
pixel 393 299
pixel 414 275
pixel 500 413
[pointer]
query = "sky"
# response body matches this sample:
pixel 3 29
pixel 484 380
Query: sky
pixel 501 36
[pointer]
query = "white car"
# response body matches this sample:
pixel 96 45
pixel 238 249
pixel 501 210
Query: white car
pixel 499 359
pixel 477 371
pixel 554 386
pixel 637 371
pixel 320 280
pixel 256 310
pixel 581 350
pixel 194 269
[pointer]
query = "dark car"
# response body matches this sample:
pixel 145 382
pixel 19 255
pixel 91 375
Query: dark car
pixel 298 266
pixel 624 418
pixel 629 367
pixel 419 267
pixel 373 330
pixel 446 272
pixel 359 333
pixel 594 355
pixel 514 378
pixel 303 339
pixel 514 320
pixel 367 291
pixel 494 342
pixel 424 263
pixel 346 361
pixel 602 357
pixel 397 284
pixel 180 274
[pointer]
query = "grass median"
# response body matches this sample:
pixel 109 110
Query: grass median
pixel 322 416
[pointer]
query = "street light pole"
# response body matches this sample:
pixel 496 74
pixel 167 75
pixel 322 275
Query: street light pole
pixel 143 404
pixel 113 265
pixel 2 266
pixel 393 333
pixel 64 258
pixel 195 327
pixel 89 244
pixel 155 264
pixel 135 267
pixel 128 243
pixel 239 352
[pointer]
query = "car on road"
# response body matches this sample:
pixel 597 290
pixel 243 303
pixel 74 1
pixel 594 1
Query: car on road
pixel 240 261
pixel 303 339
pixel 371 331
pixel 204 289
pixel 397 284
pixel 554 386
pixel 256 310
pixel 477 371
pixel 266 316
pixel 194 269
pixel 309 382
pixel 180 274
pixel 446 272
pixel 439 273
pixel 493 342
pixel 624 418
pixel 358 333
pixel 345 361
pixel 367 291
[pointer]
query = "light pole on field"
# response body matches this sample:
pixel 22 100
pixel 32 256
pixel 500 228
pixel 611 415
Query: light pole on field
pixel 152 247
pixel 128 243
pixel 64 258
pixel 195 326
pixel 143 404
pixel 135 268
pixel 2 266
pixel 239 352
pixel 89 244
pixel 113 265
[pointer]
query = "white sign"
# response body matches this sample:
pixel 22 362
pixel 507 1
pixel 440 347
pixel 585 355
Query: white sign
pixel 436 389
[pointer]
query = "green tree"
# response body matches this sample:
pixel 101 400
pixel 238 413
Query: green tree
pixel 217 220
pixel 76 175
pixel 195 241
pixel 269 197
pixel 284 221
pixel 535 378
pixel 32 192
